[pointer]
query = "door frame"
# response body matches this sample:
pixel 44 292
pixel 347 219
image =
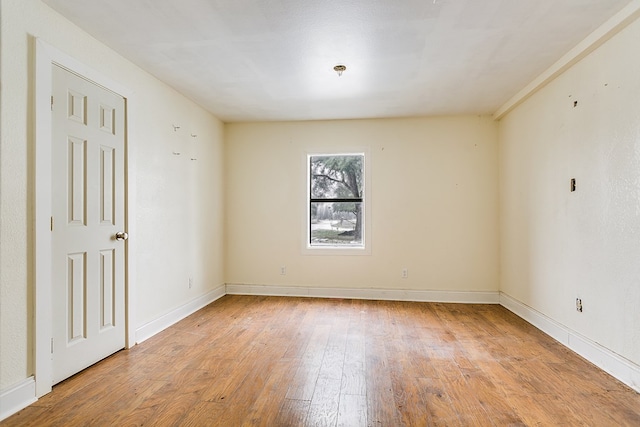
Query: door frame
pixel 47 56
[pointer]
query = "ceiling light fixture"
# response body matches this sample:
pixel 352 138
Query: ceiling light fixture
pixel 339 69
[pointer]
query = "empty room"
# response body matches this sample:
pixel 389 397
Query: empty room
pixel 305 213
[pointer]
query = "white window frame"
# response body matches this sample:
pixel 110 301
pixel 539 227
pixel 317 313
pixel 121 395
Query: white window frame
pixel 365 248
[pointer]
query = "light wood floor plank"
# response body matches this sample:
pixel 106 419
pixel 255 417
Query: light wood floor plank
pixel 277 361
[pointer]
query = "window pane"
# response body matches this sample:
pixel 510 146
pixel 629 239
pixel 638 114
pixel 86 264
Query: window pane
pixel 336 176
pixel 336 224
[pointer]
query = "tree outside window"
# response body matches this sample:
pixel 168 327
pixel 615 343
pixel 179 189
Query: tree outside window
pixel 336 200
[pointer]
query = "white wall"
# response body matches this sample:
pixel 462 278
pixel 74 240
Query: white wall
pixel 557 245
pixel 433 194
pixel 179 201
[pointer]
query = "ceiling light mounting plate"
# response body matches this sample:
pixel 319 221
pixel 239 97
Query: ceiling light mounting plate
pixel 339 69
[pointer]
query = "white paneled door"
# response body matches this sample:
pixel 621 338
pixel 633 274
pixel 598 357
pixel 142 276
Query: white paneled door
pixel 87 223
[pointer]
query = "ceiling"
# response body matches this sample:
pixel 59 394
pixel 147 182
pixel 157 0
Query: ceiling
pixel 262 60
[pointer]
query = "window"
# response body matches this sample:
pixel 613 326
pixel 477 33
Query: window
pixel 336 210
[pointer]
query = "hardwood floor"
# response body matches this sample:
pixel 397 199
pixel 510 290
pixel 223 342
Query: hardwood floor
pixel 271 361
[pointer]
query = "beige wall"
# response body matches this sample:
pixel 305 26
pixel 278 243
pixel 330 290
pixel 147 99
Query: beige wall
pixel 179 201
pixel 433 194
pixel 556 245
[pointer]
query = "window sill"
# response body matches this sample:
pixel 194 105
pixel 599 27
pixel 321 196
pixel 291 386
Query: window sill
pixel 336 251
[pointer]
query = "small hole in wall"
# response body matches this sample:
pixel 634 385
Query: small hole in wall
pixel 575 104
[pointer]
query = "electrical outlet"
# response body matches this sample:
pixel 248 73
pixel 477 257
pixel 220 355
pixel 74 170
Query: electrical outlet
pixel 579 305
pixel 283 270
pixel 190 282
pixel 405 273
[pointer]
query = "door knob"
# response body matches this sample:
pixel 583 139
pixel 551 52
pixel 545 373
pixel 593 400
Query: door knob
pixel 121 235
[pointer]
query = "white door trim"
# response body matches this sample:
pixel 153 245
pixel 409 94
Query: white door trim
pixel 46 57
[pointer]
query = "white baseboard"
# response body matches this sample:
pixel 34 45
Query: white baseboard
pixel 18 397
pixel 148 330
pixel 610 362
pixel 487 297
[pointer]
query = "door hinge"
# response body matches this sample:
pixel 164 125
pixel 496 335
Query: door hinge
pixel 51 345
pixel 51 223
pixel 51 102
